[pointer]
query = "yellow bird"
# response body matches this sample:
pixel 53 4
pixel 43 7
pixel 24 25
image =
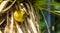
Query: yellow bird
pixel 20 15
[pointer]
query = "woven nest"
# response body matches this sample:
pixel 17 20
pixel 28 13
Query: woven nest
pixel 29 25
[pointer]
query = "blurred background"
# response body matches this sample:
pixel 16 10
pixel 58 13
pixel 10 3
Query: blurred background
pixel 45 15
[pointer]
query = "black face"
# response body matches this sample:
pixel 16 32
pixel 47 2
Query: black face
pixel 57 1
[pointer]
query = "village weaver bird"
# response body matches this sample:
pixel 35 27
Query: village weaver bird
pixel 20 15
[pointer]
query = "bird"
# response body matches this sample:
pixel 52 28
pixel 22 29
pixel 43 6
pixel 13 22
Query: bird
pixel 20 15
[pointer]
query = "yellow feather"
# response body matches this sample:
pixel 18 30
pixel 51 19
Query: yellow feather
pixel 18 16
